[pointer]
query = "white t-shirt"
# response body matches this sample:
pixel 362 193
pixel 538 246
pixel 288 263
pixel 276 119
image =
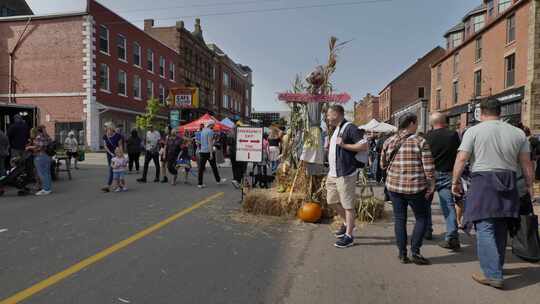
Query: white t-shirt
pixel 152 139
pixel 332 157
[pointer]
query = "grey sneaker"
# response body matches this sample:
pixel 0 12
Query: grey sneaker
pixel 344 242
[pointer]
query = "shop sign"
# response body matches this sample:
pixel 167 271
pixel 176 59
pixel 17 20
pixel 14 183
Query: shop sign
pixel 184 98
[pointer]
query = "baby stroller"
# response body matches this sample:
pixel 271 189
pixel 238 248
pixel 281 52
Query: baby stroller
pixel 20 175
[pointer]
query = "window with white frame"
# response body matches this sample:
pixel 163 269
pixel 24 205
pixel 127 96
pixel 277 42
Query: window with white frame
pixel 150 60
pixel 511 29
pixel 455 92
pixel 504 5
pixel 137 54
pixel 137 86
pixel 161 94
pixel 490 7
pixel 149 89
pixel 104 39
pixel 438 99
pixel 478 83
pixel 455 64
pixel 478 49
pixel 510 69
pixel 104 83
pixel 225 101
pixel 478 22
pixel 172 75
pixel 122 81
pixel 439 73
pixel 121 47
pixel 226 80
pixel 456 39
pixel 161 66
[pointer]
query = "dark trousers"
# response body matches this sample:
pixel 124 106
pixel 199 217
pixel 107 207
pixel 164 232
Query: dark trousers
pixel 203 158
pixel 238 169
pixel 110 178
pixel 151 156
pixel 134 160
pixel 419 205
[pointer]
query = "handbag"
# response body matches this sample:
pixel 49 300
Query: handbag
pixel 526 242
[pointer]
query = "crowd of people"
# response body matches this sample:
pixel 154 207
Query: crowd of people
pixel 483 177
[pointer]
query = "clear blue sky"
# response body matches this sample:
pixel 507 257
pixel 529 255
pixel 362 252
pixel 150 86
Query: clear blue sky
pixel 388 36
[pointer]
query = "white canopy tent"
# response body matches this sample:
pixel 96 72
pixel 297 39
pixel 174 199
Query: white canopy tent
pixel 379 127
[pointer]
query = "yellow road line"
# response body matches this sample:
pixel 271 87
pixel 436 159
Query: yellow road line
pixel 30 291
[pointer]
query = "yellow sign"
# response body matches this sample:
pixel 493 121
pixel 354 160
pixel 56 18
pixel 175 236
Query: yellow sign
pixel 184 98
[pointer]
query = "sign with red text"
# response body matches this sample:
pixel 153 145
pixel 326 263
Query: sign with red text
pixel 249 144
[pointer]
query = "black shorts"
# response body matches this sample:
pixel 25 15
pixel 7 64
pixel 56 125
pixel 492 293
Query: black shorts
pixel 72 154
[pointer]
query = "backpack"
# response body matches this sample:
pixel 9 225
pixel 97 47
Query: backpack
pixel 361 158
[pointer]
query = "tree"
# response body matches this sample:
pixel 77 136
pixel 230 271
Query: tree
pixel 149 118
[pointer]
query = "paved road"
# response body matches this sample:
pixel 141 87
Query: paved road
pixel 214 254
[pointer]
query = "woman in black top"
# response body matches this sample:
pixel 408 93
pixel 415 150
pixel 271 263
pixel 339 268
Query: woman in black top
pixel 134 147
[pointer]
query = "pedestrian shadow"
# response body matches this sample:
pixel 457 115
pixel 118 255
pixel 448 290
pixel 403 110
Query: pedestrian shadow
pixel 379 240
pixel 521 277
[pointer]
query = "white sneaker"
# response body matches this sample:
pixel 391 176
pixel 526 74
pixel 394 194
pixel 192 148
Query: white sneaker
pixel 235 184
pixel 43 192
pixel 201 186
pixel 222 181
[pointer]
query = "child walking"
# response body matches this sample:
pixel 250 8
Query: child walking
pixel 119 165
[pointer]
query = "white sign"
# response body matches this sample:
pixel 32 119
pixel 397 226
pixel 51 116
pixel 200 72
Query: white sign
pixel 249 144
pixel 477 112
pixel 183 100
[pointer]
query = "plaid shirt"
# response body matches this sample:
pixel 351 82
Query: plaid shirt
pixel 412 169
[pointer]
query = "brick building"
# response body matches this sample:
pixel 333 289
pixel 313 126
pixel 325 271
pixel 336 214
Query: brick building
pixel 366 109
pixel 410 91
pixel 14 8
pixel 494 51
pixel 196 63
pixel 232 86
pixel 97 68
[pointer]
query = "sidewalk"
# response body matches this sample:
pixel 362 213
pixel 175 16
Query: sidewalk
pixel 313 271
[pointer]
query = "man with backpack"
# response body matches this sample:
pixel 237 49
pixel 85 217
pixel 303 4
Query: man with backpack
pixel 345 143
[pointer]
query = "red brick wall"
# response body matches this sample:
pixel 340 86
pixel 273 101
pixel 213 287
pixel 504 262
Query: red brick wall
pixel 48 59
pixel 117 25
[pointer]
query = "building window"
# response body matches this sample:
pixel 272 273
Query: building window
pixel 162 66
pixel 511 29
pixel 438 99
pixel 490 7
pixel 226 80
pixel 150 60
pixel 104 39
pixel 504 5
pixel 421 93
pixel 149 89
pixel 456 39
pixel 455 64
pixel 137 54
pixel 121 46
pixel 439 74
pixel 137 86
pixel 478 49
pixel 122 80
pixel 104 78
pixel 455 92
pixel 171 71
pixel 478 22
pixel 478 83
pixel 161 94
pixel 510 68
pixel 225 101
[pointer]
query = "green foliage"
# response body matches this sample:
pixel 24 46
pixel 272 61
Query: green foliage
pixel 149 118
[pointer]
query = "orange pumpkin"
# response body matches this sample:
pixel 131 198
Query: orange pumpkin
pixel 310 212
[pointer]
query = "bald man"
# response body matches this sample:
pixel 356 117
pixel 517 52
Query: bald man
pixel 444 145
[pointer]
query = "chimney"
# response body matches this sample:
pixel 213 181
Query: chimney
pixel 148 24
pixel 179 25
pixel 197 32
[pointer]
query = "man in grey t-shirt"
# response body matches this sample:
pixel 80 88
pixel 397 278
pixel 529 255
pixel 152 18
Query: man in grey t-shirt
pixel 496 151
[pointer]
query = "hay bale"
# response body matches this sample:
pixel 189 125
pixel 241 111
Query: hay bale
pixel 270 202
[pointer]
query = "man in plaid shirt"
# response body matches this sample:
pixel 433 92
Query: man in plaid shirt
pixel 406 157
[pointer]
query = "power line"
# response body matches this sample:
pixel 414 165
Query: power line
pixel 198 5
pixel 279 9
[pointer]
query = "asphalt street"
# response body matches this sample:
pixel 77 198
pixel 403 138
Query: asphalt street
pixel 204 250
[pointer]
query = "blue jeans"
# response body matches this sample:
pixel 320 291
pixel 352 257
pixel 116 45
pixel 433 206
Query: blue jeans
pixel 443 186
pixel 491 236
pixel 42 163
pixel 110 178
pixel 419 205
